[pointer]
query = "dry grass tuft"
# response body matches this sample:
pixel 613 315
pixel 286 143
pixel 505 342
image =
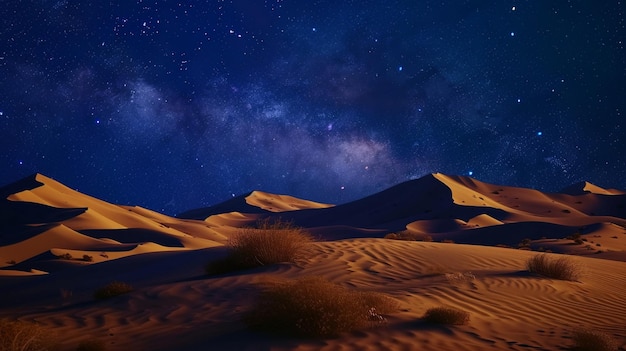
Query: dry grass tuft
pixel 315 307
pixel 460 278
pixel 593 340
pixel 563 268
pixel 447 315
pixel 409 236
pixel 268 243
pixel 112 289
pixel 25 336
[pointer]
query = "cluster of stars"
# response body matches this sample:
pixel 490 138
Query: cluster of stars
pixel 324 100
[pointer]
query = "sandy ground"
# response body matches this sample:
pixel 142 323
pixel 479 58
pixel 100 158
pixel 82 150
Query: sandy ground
pixel 176 306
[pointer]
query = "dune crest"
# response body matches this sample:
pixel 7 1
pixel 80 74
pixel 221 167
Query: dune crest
pixel 58 246
pixel 43 220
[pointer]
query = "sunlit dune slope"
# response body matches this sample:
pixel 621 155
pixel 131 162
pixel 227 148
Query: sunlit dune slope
pixel 174 306
pixel 40 215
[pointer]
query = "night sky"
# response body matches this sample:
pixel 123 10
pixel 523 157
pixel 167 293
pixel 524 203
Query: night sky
pixel 173 105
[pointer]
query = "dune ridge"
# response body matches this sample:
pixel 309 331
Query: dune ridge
pixel 83 226
pixel 57 246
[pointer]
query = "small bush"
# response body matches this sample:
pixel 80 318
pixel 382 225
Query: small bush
pixel 91 345
pixel 269 243
pixel 460 278
pixel 563 268
pixel 87 258
pixel 66 256
pixel 409 236
pixel 592 340
pixel 446 315
pixel 112 289
pixel 315 307
pixel 25 336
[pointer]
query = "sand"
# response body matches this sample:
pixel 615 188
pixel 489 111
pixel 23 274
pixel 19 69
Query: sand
pixel 176 306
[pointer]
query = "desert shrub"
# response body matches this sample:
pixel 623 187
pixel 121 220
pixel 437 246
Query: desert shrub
pixel 268 243
pixel 315 307
pixel 25 336
pixel 91 345
pixel 563 268
pixel 66 256
pixel 574 236
pixel 409 236
pixel 592 340
pixel 87 258
pixel 112 289
pixel 525 244
pixel 460 278
pixel 446 315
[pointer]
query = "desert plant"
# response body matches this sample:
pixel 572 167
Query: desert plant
pixel 592 340
pixel 446 315
pixel 409 236
pixel 268 243
pixel 87 258
pixel 66 256
pixel 91 345
pixel 315 307
pixel 460 278
pixel 563 268
pixel 112 289
pixel 574 236
pixel 25 336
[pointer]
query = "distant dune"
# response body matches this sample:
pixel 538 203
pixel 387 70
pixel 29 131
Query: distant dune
pixel 43 221
pixel 465 245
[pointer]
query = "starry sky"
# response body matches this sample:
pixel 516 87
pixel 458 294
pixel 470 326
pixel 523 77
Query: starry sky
pixel 173 105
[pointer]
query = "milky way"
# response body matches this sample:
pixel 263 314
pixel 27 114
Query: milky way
pixel 179 104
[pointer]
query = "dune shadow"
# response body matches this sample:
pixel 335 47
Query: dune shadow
pixel 420 324
pixel 515 274
pixel 134 235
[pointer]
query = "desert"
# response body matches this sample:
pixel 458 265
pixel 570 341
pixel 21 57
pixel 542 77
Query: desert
pixel 437 243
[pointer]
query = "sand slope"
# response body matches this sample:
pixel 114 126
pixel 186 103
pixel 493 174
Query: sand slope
pixel 466 210
pixel 43 221
pixel 48 229
pixel 254 202
pixel 181 309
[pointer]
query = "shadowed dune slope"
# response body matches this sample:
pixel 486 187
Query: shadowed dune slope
pixel 57 246
pixel 40 215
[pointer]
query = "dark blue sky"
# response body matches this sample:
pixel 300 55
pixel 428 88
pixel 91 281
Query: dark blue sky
pixel 173 105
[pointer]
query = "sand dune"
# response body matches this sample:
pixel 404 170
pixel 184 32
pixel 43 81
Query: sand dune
pixel 57 246
pixel 79 225
pixel 510 309
pixel 254 202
